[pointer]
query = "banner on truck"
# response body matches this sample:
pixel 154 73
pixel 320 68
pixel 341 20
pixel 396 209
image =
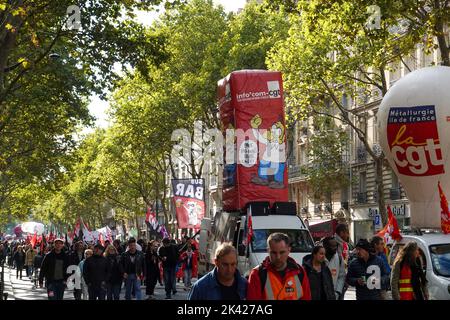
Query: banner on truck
pixel 189 201
pixel 251 106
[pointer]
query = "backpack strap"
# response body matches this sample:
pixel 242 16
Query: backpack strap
pixel 262 272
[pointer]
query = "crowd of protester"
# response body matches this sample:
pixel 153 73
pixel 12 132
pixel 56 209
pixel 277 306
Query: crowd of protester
pixel 104 270
pixel 325 274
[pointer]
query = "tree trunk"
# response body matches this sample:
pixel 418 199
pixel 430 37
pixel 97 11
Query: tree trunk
pixel 136 220
pixel 440 35
pixel 380 188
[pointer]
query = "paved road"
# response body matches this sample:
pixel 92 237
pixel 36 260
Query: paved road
pixel 24 289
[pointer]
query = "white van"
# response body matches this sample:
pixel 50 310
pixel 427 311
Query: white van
pixel 229 227
pixel 435 254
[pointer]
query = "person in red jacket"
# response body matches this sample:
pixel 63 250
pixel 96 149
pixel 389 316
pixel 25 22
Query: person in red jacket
pixel 278 277
pixel 189 266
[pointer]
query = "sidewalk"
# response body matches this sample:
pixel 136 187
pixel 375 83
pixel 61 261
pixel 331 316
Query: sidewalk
pixel 8 285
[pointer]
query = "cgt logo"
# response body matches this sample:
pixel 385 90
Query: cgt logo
pixel 414 141
pixel 274 89
pixel 273 92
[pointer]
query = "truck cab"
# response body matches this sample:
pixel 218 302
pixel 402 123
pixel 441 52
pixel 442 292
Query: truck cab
pixel 230 227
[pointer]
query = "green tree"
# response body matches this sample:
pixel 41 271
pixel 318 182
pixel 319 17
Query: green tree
pixel 47 72
pixel 331 53
pixel 327 169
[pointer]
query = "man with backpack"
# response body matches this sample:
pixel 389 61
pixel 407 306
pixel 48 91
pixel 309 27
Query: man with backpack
pixel 224 282
pixel 278 277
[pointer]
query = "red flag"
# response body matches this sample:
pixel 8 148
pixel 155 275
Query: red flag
pixel 147 215
pixel 248 230
pixel 43 243
pixel 250 227
pixel 445 214
pixel 33 240
pixel 390 230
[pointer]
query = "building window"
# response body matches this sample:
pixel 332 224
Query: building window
pixel 427 58
pixel 395 182
pixel 362 181
pixel 395 193
pixel 345 101
pixel 396 73
pixel 375 129
pixel 302 155
pixel 362 194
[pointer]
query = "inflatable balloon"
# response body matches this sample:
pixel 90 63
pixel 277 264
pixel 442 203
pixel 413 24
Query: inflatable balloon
pixel 414 128
pixel 33 227
pixel 18 230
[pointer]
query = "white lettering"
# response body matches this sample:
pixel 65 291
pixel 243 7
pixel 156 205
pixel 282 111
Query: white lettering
pixel 374 281
pixel 74 280
pixel 400 163
pixel 420 165
pixel 189 191
pixel 416 157
pixel 180 190
pixel 199 193
pixel 431 148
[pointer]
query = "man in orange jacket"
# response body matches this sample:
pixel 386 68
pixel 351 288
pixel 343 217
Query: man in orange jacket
pixel 279 277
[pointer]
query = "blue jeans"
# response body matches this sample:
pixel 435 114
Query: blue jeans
pixel 187 277
pixel 113 291
pixel 133 282
pixel 170 280
pixel 29 271
pixel 55 290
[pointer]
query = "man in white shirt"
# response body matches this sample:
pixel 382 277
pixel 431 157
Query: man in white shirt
pixel 336 264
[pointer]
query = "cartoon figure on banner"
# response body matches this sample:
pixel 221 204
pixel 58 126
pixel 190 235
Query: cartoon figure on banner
pixel 273 161
pixel 194 210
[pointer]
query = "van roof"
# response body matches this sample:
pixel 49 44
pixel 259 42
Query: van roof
pixel 429 239
pixel 278 222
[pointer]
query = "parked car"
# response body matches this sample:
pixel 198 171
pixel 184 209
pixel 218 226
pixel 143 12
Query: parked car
pixel 435 255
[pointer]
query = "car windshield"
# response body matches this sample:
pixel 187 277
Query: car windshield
pixel 440 257
pixel 300 239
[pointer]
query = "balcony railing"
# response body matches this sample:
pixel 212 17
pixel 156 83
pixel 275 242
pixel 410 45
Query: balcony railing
pixel 295 172
pixel 361 154
pixel 360 197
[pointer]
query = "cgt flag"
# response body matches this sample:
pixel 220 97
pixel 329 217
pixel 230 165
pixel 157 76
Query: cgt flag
pixel 188 196
pixel 445 213
pixel 248 230
pixel 33 240
pixel 390 230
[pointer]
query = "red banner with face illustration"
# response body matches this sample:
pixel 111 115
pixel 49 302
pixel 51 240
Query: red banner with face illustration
pixel 189 200
pixel 253 123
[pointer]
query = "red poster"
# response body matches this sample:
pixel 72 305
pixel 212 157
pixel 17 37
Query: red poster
pixel 414 141
pixel 188 197
pixel 251 105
